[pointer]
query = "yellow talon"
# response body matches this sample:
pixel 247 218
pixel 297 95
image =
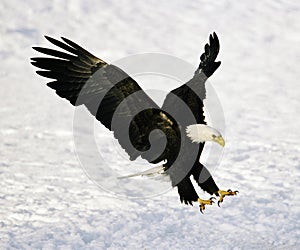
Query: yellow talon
pixel 223 193
pixel 202 203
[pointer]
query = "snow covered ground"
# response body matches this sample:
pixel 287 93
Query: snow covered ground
pixel 46 199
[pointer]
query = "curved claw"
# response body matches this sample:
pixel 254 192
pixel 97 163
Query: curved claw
pixel 219 204
pixel 235 192
pixel 201 210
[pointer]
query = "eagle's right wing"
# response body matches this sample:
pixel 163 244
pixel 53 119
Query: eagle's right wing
pixel 110 94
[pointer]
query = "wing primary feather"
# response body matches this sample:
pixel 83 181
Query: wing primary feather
pixel 211 50
pixel 55 53
pixel 61 45
pixel 82 50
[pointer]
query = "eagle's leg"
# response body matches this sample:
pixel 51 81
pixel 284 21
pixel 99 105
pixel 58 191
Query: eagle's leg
pixel 223 193
pixel 202 203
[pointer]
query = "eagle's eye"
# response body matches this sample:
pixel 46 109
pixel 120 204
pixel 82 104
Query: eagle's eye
pixel 214 136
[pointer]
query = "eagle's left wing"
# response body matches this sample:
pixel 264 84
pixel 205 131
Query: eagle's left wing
pixel 193 92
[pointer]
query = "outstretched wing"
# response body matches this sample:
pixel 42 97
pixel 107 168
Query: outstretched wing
pixel 110 94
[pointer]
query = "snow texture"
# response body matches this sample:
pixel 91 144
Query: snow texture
pixel 46 199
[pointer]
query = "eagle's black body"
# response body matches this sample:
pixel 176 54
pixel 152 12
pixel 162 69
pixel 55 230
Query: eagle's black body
pixel 116 100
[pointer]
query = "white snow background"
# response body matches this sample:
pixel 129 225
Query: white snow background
pixel 47 201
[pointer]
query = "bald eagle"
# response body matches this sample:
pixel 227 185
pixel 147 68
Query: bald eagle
pixel 114 99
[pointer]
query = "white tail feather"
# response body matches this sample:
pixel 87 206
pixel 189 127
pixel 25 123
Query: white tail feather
pixel 149 172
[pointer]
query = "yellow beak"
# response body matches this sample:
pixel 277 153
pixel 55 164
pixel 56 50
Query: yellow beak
pixel 219 140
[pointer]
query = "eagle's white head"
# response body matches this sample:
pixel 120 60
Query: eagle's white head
pixel 201 133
